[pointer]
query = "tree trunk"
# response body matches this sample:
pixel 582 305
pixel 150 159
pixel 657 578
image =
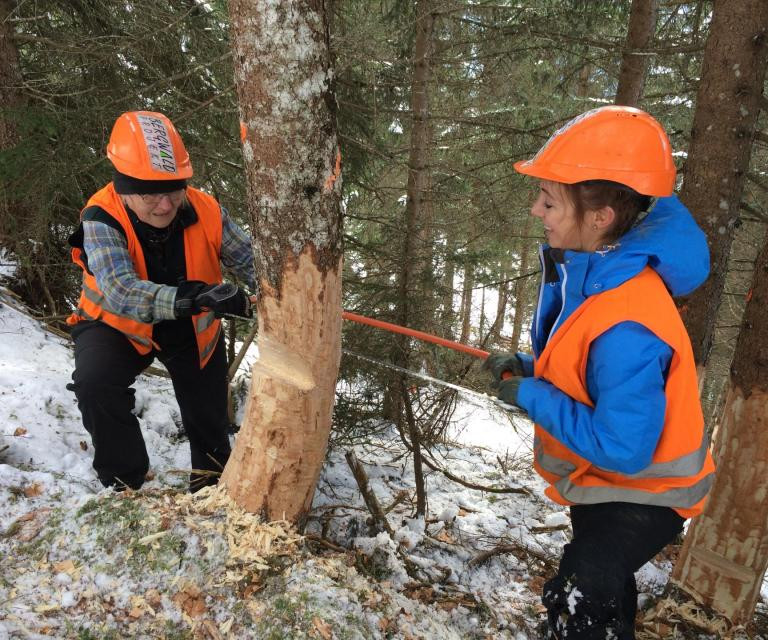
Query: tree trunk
pixel 494 331
pixel 10 77
pixel 447 314
pixel 411 259
pixel 292 168
pixel 727 105
pixel 522 285
pixel 634 63
pixel 725 554
pixel 11 101
pixel 715 378
pixel 466 302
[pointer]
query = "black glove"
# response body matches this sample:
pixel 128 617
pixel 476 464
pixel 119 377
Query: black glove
pixel 184 305
pixel 498 363
pixel 508 390
pixel 193 296
pixel 225 299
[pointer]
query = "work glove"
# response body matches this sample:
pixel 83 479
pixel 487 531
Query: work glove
pixel 194 296
pixel 508 389
pixel 498 363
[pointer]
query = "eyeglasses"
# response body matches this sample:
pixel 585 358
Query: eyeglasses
pixel 153 199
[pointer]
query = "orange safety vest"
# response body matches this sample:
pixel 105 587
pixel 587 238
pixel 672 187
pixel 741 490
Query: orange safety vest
pixel 682 471
pixel 202 248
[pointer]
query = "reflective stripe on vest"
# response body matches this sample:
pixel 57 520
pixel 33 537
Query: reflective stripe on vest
pixel 204 320
pixel 209 347
pixel 677 498
pixel 94 296
pixel 685 466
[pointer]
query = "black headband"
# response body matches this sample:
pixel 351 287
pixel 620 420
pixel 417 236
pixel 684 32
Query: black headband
pixel 126 185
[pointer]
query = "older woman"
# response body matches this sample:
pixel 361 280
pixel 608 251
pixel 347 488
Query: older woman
pixel 151 249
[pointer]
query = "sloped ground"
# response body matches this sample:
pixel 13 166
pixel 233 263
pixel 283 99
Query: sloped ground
pixel 81 562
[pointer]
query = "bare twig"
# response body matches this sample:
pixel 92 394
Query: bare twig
pixel 401 497
pixel 471 485
pixel 551 529
pixel 516 549
pixel 325 542
pixel 241 354
pixel 371 501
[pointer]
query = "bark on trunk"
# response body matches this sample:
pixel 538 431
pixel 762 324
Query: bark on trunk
pixel 282 71
pixel 418 176
pixel 10 76
pixel 466 303
pixel 522 285
pixel 11 101
pixel 411 258
pixel 725 554
pixel 447 313
pixel 727 105
pixel 494 331
pixel 634 62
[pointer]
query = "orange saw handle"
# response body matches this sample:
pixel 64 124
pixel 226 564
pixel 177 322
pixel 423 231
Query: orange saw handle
pixel 413 333
pixel 420 335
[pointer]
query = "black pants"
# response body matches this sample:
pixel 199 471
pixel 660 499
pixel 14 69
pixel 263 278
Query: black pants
pixel 594 594
pixel 106 365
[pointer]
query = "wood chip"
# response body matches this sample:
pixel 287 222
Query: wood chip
pixel 191 601
pixel 66 566
pixel 322 627
pixel 152 537
pixel 33 490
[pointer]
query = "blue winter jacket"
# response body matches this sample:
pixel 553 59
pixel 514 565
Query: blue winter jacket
pixel 627 365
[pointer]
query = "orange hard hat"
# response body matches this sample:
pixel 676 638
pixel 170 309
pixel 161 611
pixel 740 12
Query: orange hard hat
pixel 620 144
pixel 145 145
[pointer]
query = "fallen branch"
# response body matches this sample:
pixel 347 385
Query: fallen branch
pixel 371 501
pixel 471 485
pixel 325 542
pixel 550 529
pixel 401 497
pixel 241 354
pixel 466 483
pixel 516 549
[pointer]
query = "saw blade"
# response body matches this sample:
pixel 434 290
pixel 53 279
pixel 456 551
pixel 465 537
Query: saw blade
pixel 437 381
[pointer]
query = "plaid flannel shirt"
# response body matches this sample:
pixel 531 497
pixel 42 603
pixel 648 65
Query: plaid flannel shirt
pixel 142 300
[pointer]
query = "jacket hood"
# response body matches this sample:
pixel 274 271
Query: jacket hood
pixel 668 240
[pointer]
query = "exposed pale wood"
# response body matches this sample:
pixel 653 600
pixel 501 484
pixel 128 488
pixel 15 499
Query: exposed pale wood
pixel 281 446
pixel 725 553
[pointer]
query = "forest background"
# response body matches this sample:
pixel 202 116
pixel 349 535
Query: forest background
pixel 500 78
pixel 435 101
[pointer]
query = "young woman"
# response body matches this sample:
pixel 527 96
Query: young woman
pixel 612 382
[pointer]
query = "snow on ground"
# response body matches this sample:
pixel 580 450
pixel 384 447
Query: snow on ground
pixel 77 561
